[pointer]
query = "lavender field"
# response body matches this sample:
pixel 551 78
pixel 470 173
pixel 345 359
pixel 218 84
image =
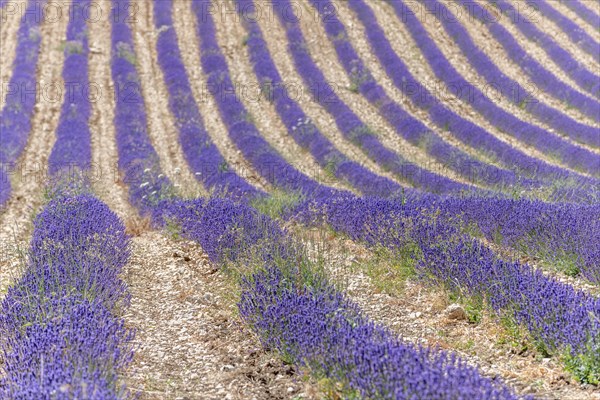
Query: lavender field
pixel 300 199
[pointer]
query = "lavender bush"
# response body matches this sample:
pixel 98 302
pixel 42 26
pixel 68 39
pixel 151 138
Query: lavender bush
pixel 72 150
pixel 61 334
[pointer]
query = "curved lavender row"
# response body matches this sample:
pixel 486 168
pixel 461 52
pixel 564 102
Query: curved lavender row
pixel 589 16
pixel 587 80
pixel 543 78
pixel 566 321
pixel 405 125
pixel 566 236
pixel 242 132
pixel 315 325
pixel 445 118
pixel 521 96
pixel 323 151
pixel 73 143
pixel 347 122
pixel 58 327
pixel 138 160
pixel 526 132
pixel 575 33
pixel 15 119
pixel 200 152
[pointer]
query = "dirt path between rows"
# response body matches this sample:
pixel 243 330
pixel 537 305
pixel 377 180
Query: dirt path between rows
pixel 161 124
pixel 230 34
pixel 9 27
pixel 192 344
pixel 32 167
pixel 185 26
pixel 107 183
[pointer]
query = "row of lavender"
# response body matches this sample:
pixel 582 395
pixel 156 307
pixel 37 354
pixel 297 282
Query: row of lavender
pixel 15 119
pixel 62 336
pixel 229 232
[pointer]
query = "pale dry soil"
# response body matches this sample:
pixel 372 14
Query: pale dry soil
pixel 161 124
pixel 191 343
